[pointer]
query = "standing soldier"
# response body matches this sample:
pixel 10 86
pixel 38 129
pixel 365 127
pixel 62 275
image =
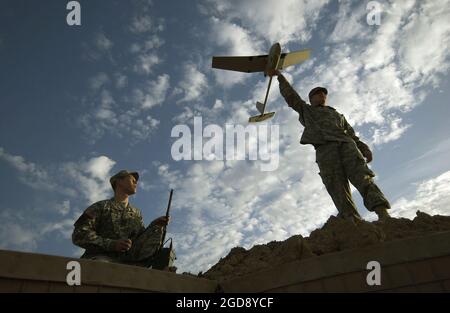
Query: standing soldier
pixel 113 230
pixel 339 152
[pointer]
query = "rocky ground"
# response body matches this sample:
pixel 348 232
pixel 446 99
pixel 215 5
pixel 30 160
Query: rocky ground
pixel 336 235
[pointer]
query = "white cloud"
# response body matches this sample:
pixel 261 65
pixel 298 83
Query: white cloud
pixel 143 127
pixel 99 167
pixel 425 42
pixel 98 81
pixel 102 42
pixel 185 116
pixel 63 208
pixel 441 148
pixel 141 24
pixel 146 29
pixel 120 111
pixel 153 42
pixel 127 119
pixel 218 104
pixel 99 47
pixel 251 27
pixel 86 179
pixel 157 91
pixel 232 40
pixel 424 163
pixel 32 174
pixel 105 111
pixel 350 22
pixel 389 132
pixel 432 196
pixel 25 229
pixel 146 62
pixel 121 80
pixel 281 21
pixel 91 177
pixel 194 84
pixel 62 227
pixel 228 79
pixel 14 236
pixel 20 164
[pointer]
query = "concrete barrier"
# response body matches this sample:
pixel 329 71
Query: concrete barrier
pixel 414 264
pixel 30 272
pixel 419 264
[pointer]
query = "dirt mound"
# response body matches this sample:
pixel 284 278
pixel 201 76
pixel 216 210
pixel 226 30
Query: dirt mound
pixel 422 224
pixel 240 261
pixel 336 235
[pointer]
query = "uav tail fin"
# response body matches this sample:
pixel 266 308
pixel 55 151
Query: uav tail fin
pixel 260 107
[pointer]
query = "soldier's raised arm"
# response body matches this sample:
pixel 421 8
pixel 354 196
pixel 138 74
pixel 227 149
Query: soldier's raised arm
pixel 291 96
pixel 84 234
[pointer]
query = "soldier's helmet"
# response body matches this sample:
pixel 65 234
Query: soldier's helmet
pixel 316 90
pixel 121 174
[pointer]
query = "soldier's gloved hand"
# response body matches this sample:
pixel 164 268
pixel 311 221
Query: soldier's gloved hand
pixel 123 245
pixel 368 155
pixel 161 221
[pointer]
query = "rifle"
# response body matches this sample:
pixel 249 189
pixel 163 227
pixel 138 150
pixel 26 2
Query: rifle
pixel 165 257
pixel 165 227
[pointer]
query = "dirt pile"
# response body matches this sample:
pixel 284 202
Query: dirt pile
pixel 240 261
pixel 336 235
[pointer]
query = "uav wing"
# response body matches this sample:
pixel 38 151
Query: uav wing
pixel 245 64
pixel 291 58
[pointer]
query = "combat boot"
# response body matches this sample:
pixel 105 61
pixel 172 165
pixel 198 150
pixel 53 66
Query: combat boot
pixel 355 218
pixel 382 213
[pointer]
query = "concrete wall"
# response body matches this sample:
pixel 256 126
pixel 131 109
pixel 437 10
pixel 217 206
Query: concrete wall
pixel 410 265
pixel 29 272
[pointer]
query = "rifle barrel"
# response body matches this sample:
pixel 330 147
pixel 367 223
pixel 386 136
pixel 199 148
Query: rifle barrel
pixel 165 227
pixel 170 202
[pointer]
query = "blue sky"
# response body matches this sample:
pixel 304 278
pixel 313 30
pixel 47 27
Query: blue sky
pixel 79 103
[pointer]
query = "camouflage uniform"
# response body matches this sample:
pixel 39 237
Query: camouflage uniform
pixel 339 153
pixel 107 221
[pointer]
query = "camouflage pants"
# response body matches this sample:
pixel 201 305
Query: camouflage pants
pixel 143 250
pixel 341 162
pixel 145 245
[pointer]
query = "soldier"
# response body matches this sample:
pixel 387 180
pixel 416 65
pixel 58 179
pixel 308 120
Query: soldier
pixel 113 230
pixel 339 152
